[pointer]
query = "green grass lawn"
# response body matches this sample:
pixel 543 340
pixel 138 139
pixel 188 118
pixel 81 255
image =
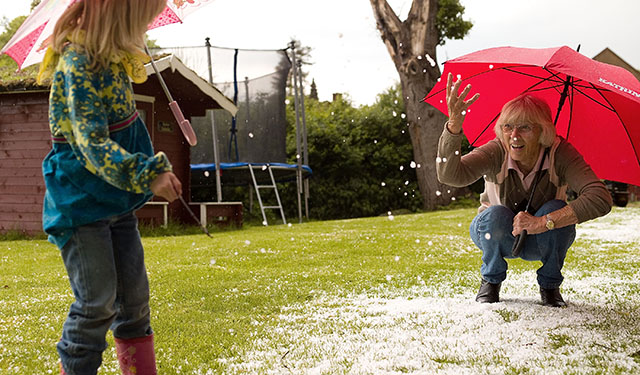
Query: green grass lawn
pixel 285 299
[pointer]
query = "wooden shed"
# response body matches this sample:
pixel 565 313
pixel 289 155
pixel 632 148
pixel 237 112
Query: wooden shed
pixel 25 139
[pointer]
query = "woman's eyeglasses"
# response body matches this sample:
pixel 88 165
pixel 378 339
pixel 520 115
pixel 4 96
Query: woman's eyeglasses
pixel 522 129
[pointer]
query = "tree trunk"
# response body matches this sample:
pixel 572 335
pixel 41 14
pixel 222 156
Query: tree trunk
pixel 412 46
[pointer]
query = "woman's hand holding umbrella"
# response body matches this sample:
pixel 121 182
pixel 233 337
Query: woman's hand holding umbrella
pixel 456 104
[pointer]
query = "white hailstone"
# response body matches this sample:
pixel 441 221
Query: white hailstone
pixel 412 164
pixel 458 76
pixel 264 167
pixel 490 66
pixel 389 277
pixel 406 182
pixel 235 253
pixel 395 114
pixel 430 60
pixel 293 239
pixel 419 57
pixel 213 261
pixel 289 225
pixel 424 71
pixel 390 217
pixel 331 113
pixel 193 244
pixel 438 193
pixel 263 250
pixel 375 141
pixel 264 223
pixel 487 236
pixel 406 194
pixel 418 240
pixel 383 184
pixel 396 101
pixel 397 258
pixel 418 166
pixel 430 243
pixel 247 242
pixel 457 152
pixel 297 156
pixel 444 160
pixel 206 173
pixel 250 135
pixel 439 81
pixel 438 159
pixel 463 113
pixel 453 198
pixel 287 101
pixel 459 225
pixel 402 115
pixel 402 131
pixel 402 167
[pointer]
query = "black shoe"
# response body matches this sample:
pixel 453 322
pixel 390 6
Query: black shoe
pixel 488 293
pixel 552 297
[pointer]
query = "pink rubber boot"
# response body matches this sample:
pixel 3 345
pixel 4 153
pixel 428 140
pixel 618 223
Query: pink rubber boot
pixel 136 356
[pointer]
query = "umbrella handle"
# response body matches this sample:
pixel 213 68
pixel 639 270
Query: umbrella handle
pixel 185 125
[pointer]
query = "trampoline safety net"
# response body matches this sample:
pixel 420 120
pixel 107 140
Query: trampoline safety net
pixel 256 81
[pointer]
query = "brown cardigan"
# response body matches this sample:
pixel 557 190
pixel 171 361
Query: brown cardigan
pixel 504 186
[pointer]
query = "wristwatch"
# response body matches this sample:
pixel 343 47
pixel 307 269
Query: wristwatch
pixel 550 223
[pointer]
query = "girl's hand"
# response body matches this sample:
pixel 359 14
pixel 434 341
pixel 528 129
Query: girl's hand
pixel 167 185
pixel 456 104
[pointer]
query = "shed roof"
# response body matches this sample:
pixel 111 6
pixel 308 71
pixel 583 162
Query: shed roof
pixel 25 80
pixel 174 64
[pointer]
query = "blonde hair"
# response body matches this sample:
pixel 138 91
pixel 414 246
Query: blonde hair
pixel 109 26
pixel 528 109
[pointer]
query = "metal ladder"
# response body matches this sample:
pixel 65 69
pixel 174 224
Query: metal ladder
pixel 272 186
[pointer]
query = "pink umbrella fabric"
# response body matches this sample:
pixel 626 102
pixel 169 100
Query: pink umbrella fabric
pixel 28 45
pixel 600 117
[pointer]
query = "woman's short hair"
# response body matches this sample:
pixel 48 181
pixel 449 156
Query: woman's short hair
pixel 528 109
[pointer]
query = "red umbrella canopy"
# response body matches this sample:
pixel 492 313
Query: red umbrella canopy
pixel 600 116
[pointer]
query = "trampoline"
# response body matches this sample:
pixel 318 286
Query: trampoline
pixel 237 174
pixel 255 139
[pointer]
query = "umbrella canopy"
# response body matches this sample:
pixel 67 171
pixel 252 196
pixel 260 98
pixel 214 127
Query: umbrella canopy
pixel 28 44
pixel 600 116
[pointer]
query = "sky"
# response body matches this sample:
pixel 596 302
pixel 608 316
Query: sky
pixel 349 56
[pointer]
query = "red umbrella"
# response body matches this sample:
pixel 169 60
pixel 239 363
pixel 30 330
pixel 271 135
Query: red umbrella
pixel 29 43
pixel 597 105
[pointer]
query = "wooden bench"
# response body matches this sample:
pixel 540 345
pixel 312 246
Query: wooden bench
pixel 165 210
pixel 220 213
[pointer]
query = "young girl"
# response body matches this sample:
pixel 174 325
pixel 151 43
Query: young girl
pixel 100 170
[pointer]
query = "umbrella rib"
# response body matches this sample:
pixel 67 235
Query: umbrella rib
pixel 624 126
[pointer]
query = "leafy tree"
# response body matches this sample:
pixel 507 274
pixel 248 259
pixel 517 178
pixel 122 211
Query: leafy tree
pixel 313 94
pixel 412 47
pixel 361 159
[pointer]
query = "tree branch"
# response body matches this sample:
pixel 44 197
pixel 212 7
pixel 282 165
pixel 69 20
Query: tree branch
pixel 390 27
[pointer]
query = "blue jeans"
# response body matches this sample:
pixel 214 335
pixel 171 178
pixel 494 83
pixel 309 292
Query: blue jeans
pixel 491 232
pixel 105 263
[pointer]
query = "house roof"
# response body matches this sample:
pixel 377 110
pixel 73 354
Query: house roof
pixel 173 64
pixel 610 57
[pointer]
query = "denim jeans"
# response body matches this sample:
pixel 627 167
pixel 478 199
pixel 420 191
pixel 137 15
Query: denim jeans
pixel 105 263
pixel 491 232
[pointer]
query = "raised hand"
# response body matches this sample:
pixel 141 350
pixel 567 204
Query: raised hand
pixel 456 104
